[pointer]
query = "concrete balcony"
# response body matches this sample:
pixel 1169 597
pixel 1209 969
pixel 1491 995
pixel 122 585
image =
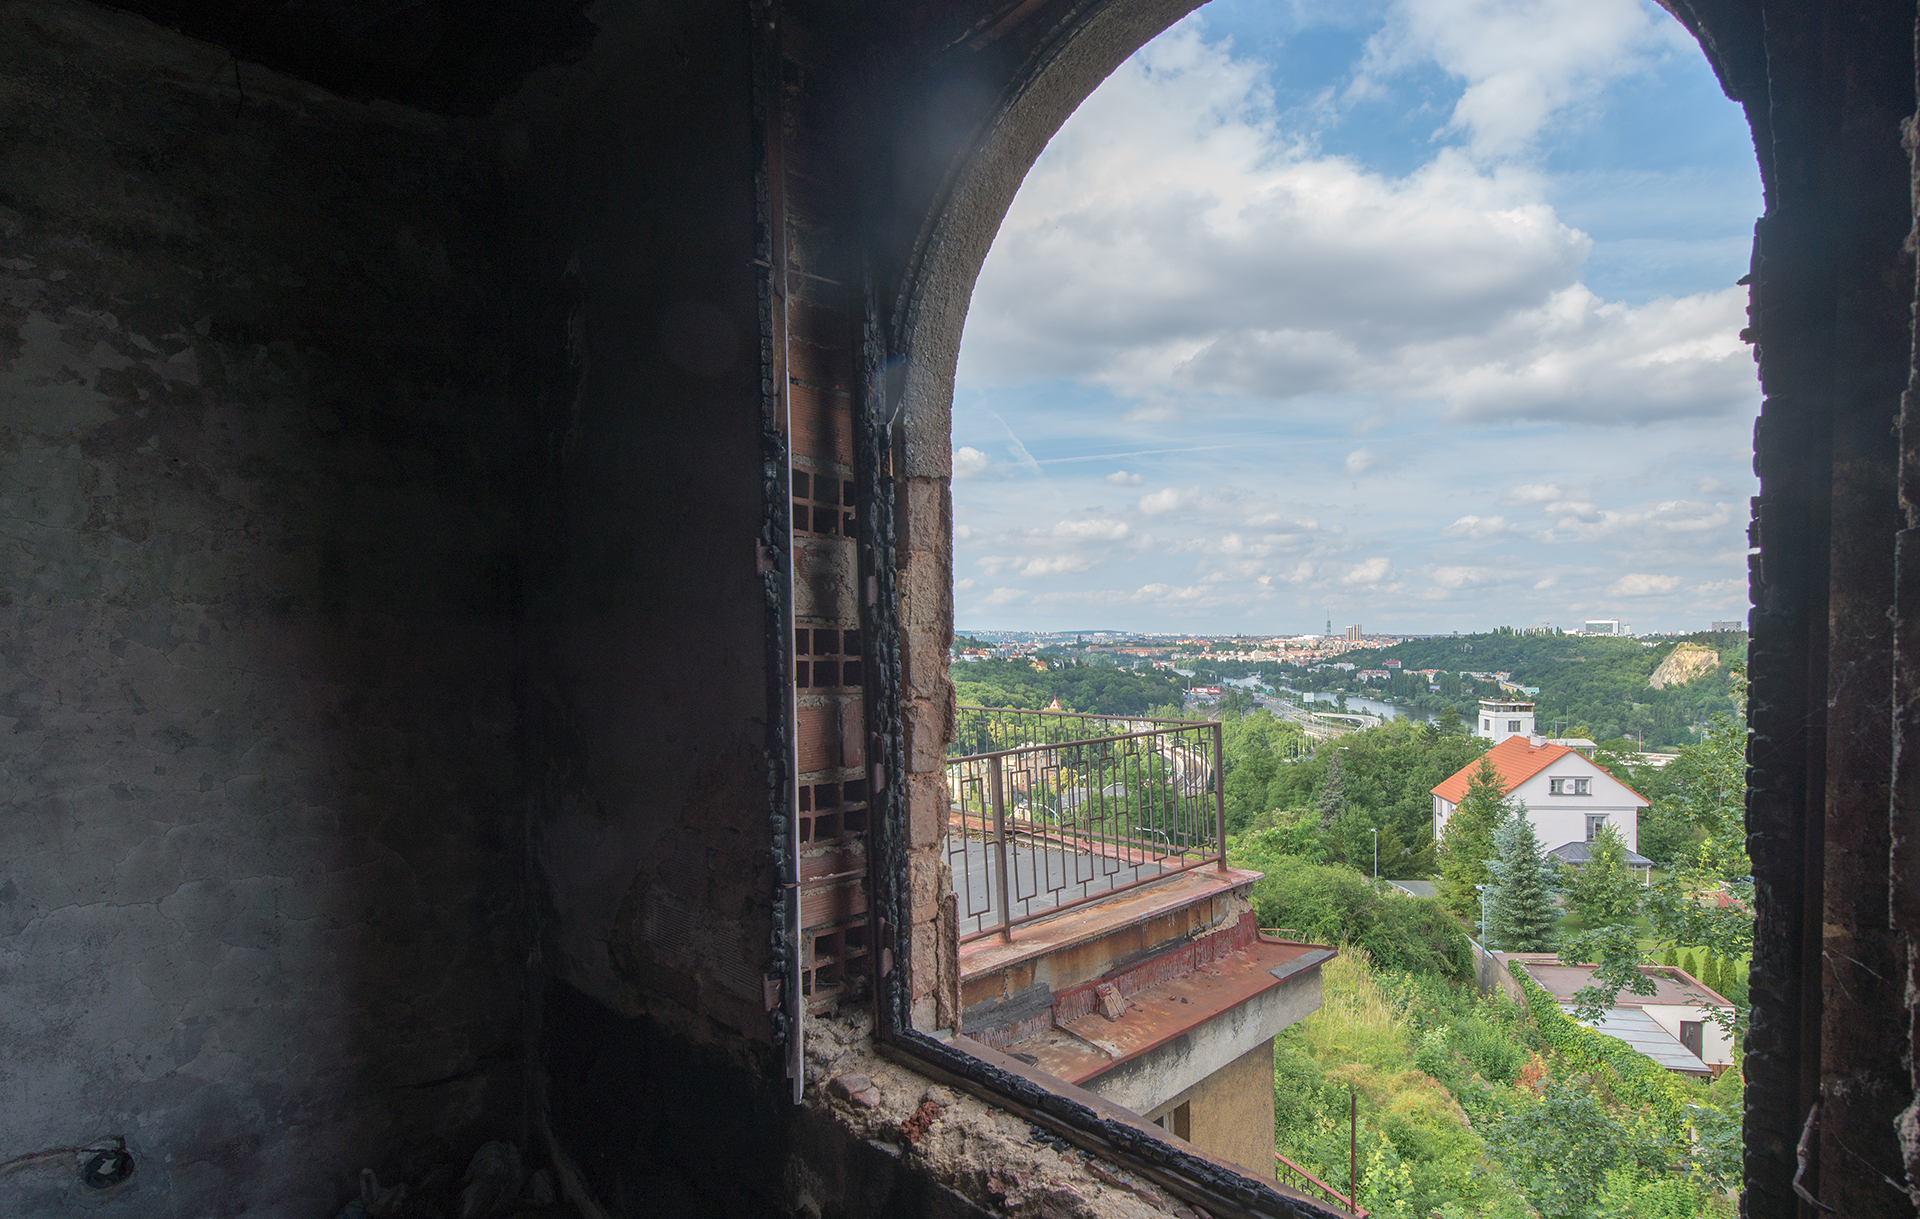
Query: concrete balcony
pixel 1104 938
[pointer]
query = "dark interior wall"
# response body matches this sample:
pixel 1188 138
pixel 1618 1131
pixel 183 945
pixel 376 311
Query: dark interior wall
pixel 260 502
pixel 632 179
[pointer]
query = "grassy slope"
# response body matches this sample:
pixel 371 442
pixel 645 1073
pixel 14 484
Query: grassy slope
pixel 1543 1137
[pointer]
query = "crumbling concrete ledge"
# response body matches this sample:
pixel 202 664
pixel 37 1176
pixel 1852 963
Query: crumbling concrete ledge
pixel 957 1141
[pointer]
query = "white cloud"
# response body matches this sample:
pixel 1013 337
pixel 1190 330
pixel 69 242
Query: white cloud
pixel 1526 62
pixel 1459 577
pixel 1638 584
pixel 1371 571
pixel 1164 500
pixel 1104 529
pixel 1533 493
pixel 1270 322
pixel 1056 565
pixel 1169 593
pixel 1477 527
pixel 1174 240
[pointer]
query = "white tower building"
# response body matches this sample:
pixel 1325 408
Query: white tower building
pixel 1500 719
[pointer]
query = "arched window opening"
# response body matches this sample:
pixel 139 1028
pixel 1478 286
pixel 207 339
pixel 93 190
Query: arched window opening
pixel 1432 322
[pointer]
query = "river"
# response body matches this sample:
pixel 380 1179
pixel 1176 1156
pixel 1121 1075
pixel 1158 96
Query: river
pixel 1368 706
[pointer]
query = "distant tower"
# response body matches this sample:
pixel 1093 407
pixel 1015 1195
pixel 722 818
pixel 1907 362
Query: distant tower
pixel 1500 719
pixel 1329 624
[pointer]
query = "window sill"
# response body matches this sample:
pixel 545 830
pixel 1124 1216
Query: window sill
pixel 1109 1136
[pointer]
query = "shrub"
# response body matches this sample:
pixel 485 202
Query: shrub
pixel 1336 905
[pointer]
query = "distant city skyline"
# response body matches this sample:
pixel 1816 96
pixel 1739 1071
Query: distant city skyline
pixel 1420 314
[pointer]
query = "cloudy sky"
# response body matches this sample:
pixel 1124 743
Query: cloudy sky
pixel 1418 314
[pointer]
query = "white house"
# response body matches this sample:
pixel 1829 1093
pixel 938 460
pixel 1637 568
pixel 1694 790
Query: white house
pixel 1568 795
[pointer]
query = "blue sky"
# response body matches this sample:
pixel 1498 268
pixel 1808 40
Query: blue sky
pixel 1418 314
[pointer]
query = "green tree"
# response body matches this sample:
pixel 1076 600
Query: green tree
pixel 1604 890
pixel 1235 703
pixel 1333 799
pixel 1520 913
pixel 1467 842
pixel 1257 748
pixel 1707 791
pixel 1672 958
pixel 1691 965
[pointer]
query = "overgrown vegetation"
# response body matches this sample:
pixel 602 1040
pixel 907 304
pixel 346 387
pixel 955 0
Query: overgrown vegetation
pixel 1477 1107
pixel 1333 904
pixel 1471 1107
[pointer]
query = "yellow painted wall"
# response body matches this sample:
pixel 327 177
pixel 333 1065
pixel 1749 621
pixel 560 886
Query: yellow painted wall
pixel 1231 1111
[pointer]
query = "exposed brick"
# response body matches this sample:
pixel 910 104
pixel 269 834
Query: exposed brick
pixel 818 737
pixel 824 576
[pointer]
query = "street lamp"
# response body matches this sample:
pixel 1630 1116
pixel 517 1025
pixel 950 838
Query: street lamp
pixel 1376 853
pixel 1486 946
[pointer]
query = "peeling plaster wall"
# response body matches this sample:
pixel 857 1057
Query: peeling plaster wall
pixel 258 527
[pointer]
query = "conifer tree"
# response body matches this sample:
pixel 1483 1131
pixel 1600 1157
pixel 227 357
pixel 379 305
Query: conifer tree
pixel 1467 842
pixel 1689 964
pixel 1332 800
pixel 1520 914
pixel 1672 958
pixel 1604 892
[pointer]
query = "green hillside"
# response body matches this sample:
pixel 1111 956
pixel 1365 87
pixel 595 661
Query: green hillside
pixel 1096 689
pixel 1589 686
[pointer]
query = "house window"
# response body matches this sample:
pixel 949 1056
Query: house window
pixel 1513 725
pixel 1690 1036
pixel 1570 787
pixel 1486 725
pixel 1594 822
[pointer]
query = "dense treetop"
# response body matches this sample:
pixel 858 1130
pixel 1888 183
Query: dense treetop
pixel 1095 689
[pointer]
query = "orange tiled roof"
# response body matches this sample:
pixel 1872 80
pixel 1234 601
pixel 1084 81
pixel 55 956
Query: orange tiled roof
pixel 1515 760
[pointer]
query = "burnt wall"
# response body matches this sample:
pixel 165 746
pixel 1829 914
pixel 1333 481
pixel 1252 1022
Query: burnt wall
pixel 261 502
pixel 631 178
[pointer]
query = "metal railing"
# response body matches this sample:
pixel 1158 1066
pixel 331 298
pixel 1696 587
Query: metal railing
pixel 1053 809
pixel 1306 1182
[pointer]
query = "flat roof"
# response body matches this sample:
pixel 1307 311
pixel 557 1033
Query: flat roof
pixel 1092 1045
pixel 1671 985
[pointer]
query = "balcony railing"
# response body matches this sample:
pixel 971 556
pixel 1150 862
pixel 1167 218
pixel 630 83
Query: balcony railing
pixel 1052 809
